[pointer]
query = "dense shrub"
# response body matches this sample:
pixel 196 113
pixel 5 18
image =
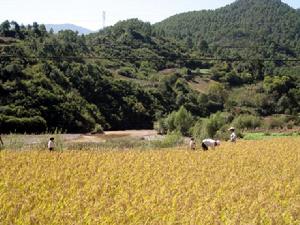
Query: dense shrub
pixel 183 121
pixel 224 134
pixel 98 129
pixel 199 129
pixel 180 121
pixel 208 128
pixel 274 122
pixel 34 124
pixel 172 139
pixel 247 122
pixel 161 126
pixel 127 72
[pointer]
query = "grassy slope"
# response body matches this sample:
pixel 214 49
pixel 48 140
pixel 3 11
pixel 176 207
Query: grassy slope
pixel 266 135
pixel 201 84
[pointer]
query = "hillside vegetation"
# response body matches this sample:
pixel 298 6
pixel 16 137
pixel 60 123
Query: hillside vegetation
pixel 245 28
pixel 132 74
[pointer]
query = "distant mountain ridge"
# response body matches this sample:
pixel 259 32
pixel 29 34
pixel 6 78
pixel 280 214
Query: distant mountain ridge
pixel 58 27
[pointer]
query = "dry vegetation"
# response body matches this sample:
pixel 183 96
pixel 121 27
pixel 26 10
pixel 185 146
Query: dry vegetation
pixel 201 85
pixel 251 182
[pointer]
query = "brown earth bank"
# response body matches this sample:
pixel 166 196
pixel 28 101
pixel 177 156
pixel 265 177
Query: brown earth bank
pixel 80 138
pixel 143 134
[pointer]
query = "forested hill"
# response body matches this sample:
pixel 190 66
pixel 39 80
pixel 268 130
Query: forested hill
pixel 265 28
pixel 132 74
pixel 82 83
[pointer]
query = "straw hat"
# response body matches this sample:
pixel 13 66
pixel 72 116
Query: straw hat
pixel 231 128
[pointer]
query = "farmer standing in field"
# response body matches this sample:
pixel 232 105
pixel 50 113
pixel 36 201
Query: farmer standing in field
pixel 192 144
pixel 51 144
pixel 206 143
pixel 233 135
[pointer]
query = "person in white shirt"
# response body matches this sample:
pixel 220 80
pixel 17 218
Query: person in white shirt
pixel 233 135
pixel 51 144
pixel 192 144
pixel 206 143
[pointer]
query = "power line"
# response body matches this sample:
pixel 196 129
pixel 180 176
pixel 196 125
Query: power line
pixel 151 58
pixel 126 46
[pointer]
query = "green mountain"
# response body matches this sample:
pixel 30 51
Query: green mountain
pixel 132 74
pixel 81 83
pixel 261 28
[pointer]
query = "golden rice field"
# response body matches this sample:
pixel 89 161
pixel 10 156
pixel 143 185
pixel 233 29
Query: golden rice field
pixel 251 182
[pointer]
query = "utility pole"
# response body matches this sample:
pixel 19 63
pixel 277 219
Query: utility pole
pixel 103 19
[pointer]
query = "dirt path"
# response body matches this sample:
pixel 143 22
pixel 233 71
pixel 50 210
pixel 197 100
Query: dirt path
pixel 108 135
pixel 80 138
pixel 132 133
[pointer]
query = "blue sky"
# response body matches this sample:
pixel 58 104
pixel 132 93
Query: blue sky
pixel 88 13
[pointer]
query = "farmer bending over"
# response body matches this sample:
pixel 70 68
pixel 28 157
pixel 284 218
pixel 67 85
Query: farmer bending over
pixel 206 143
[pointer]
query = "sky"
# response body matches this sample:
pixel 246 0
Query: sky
pixel 88 13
